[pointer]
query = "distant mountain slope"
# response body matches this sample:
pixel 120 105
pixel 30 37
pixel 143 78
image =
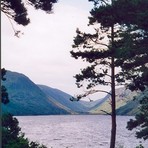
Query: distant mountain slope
pixel 63 98
pixel 123 96
pixel 26 98
pixel 92 104
pixel 132 107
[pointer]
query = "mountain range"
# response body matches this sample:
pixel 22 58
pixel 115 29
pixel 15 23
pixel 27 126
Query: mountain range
pixel 28 98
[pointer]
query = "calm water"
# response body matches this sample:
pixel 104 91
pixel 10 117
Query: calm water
pixel 77 131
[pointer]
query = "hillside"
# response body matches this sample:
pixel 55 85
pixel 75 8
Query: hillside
pixel 132 107
pixel 26 98
pixel 63 98
pixel 123 97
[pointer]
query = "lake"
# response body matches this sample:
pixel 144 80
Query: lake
pixel 77 131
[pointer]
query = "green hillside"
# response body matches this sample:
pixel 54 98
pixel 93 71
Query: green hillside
pixel 132 107
pixel 26 98
pixel 124 100
pixel 63 98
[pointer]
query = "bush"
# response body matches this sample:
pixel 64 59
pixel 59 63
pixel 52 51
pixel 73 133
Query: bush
pixel 12 137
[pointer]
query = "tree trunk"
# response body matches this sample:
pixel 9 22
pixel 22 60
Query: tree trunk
pixel 113 115
pixel 113 96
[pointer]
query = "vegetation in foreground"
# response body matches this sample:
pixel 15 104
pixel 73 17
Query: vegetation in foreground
pixel 12 137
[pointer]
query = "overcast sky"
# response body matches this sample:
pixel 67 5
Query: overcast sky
pixel 42 53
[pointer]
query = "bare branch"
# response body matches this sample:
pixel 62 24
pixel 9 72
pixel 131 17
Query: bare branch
pixel 16 32
pixel 95 91
pixel 78 97
pixel 106 112
pixel 103 44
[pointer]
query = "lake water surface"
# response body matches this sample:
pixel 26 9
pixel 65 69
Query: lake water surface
pixel 77 131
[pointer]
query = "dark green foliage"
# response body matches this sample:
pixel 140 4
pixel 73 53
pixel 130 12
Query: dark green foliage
pixel 17 11
pixel 133 59
pixel 45 5
pixel 4 94
pixel 100 55
pixel 86 50
pixel 129 12
pixel 10 129
pixel 140 146
pixel 141 119
pixel 135 68
pixel 36 145
pixel 131 19
pixel 120 41
pixel 12 137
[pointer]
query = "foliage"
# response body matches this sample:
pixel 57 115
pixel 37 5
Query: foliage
pixel 129 46
pixel 12 137
pixel 141 119
pixel 98 50
pixel 140 146
pixel 136 67
pixel 16 10
pixel 4 94
pixel 117 51
pixel 134 55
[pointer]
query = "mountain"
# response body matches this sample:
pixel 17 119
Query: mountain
pixel 124 98
pixel 132 107
pixel 63 98
pixel 91 104
pixel 26 98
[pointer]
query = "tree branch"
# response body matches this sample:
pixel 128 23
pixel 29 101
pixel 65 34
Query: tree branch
pixel 95 91
pixel 16 32
pixel 106 112
pixel 103 44
pixel 78 97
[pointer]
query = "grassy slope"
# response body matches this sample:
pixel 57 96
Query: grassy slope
pixel 122 98
pixel 26 98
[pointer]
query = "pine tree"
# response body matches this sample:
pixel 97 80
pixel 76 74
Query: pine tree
pixel 113 50
pixel 141 118
pixel 100 55
pixel 136 68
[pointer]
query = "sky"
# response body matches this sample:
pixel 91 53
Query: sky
pixel 42 52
